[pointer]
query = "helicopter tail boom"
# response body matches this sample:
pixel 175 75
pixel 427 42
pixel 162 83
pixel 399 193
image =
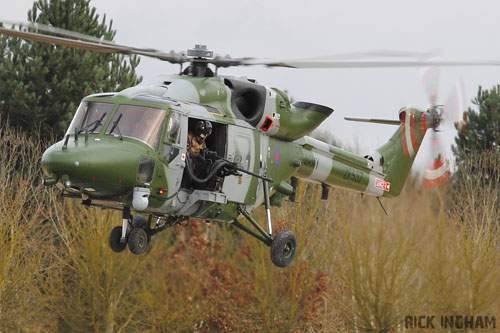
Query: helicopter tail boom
pixel 380 173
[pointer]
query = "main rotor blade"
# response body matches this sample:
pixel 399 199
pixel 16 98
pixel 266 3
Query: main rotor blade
pixel 96 45
pixel 37 27
pixel 376 121
pixel 329 62
pixel 226 61
pixel 370 59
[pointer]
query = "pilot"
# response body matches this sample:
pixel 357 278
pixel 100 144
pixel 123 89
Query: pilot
pixel 197 137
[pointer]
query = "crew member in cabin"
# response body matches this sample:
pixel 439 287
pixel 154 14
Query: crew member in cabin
pixel 197 137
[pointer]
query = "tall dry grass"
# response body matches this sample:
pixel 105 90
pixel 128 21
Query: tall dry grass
pixel 355 269
pixel 291 298
pixel 24 234
pixel 437 253
pixel 89 290
pixel 465 268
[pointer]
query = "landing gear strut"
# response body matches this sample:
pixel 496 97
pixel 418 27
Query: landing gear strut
pixel 283 246
pixel 136 231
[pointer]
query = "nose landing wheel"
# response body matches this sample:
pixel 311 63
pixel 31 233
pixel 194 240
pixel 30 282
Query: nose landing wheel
pixel 135 235
pixel 114 240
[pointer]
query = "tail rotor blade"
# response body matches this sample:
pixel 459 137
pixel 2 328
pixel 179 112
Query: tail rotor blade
pixel 461 125
pixel 455 107
pixel 437 173
pixel 430 76
pixel 438 170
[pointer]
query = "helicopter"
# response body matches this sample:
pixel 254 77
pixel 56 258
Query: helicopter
pixel 129 150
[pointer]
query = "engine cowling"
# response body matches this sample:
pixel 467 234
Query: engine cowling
pixel 269 110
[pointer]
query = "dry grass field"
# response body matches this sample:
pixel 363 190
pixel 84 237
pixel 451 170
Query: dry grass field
pixel 437 253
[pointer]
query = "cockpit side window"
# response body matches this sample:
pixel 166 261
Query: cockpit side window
pixel 172 137
pixel 90 116
pixel 173 128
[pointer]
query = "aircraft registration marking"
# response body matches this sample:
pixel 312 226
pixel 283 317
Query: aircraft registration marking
pixel 353 175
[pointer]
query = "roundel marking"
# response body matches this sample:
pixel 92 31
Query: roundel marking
pixel 277 156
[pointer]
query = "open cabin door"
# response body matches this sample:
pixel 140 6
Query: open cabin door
pixel 240 149
pixel 174 150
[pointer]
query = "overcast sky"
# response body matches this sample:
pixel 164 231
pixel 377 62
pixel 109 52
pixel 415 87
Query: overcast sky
pixel 288 29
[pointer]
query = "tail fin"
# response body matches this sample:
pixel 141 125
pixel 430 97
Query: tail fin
pixel 398 154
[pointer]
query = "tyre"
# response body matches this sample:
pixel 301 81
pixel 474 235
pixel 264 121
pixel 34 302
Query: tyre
pixel 114 240
pixel 283 248
pixel 138 241
pixel 139 221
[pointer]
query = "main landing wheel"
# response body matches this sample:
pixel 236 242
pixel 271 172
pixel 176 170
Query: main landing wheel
pixel 283 248
pixel 114 240
pixel 139 221
pixel 138 241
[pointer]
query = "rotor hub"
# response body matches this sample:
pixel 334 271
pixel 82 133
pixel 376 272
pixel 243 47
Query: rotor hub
pixel 200 52
pixel 199 57
pixel 436 112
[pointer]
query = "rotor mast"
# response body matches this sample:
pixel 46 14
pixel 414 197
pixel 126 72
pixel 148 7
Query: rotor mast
pixel 199 57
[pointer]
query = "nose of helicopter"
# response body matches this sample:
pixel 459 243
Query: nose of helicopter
pixel 90 167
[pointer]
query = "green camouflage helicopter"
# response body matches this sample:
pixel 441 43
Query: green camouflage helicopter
pixel 129 150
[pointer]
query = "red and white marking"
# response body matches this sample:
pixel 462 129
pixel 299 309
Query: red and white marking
pixel 437 173
pixel 408 137
pixel 383 185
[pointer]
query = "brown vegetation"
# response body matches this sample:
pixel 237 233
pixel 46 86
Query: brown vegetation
pixel 437 253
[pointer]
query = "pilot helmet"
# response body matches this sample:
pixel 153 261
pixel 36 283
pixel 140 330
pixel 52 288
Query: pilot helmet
pixel 203 128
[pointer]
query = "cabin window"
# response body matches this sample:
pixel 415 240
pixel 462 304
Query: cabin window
pixel 138 122
pixel 242 152
pixel 168 153
pixel 145 170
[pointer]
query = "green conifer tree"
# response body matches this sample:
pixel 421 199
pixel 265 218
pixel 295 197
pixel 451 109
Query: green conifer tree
pixel 477 149
pixel 42 84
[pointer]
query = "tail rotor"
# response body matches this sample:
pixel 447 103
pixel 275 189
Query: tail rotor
pixel 438 169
